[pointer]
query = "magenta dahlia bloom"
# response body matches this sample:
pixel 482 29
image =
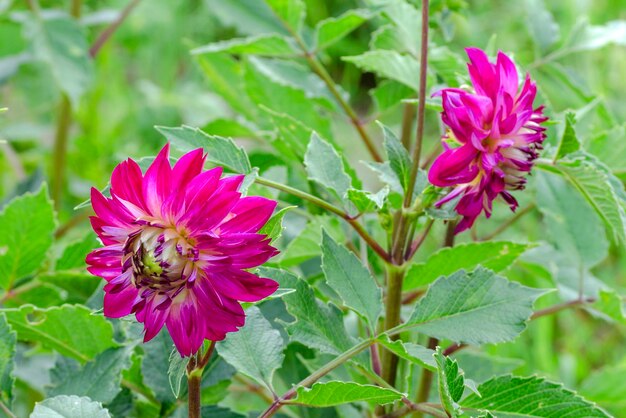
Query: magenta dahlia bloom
pixel 178 242
pixel 493 137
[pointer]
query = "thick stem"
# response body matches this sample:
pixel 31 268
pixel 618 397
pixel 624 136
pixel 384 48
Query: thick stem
pixel 193 382
pixel 393 304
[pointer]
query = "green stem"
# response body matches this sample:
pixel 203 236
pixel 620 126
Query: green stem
pixel 6 410
pixel 59 152
pixel 393 305
pixel 421 106
pixel 315 376
pixel 110 30
pixel 331 208
pixel 410 111
pixel 426 380
pixel 194 376
pixel 321 72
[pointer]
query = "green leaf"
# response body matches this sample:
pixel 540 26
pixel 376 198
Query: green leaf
pixel 218 412
pixel 69 407
pixel 60 42
pixel 8 341
pixel 399 159
pixel 610 147
pixel 222 151
pixel 250 17
pixel 389 64
pixel 99 379
pixel 333 29
pixel 318 325
pixel 496 256
pixel 256 350
pixel 569 142
pixel 585 37
pixel 389 94
pixel 482 366
pixel 226 78
pixel 274 226
pixel 155 366
pixel 306 244
pixel 79 286
pixel 451 383
pixel 509 396
pixel 365 201
pixel 176 370
pixel 56 329
pixel 541 25
pixel 269 45
pixel 27 224
pixel 324 166
pixel 592 180
pixel 336 393
pixel 282 94
pixel 611 304
pixel 74 254
pixel 576 229
pixel 476 308
pixel 406 22
pixel 351 280
pixel 290 12
pixel 606 387
pixel 414 353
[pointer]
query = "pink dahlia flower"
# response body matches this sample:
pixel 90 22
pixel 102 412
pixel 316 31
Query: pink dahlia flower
pixel 495 134
pixel 177 245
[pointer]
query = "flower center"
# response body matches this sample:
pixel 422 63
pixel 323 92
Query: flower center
pixel 161 260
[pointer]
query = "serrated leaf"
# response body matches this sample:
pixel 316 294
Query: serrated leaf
pixel 336 393
pixel 451 383
pixel 569 142
pixel 406 22
pixel 56 329
pixel 414 353
pixel 606 387
pixel 79 286
pixel 243 350
pixel 222 151
pixel 27 224
pixel 155 366
pixel 290 12
pixel 60 42
pixel 268 45
pixel 496 256
pixel 591 181
pixel 8 341
pixel 176 370
pixel 273 228
pixel 611 304
pixel 509 396
pixel 389 64
pixel 541 25
pixel 306 244
pixel 318 325
pixel 476 308
pixel 324 166
pixel 74 254
pixel 570 220
pixel 99 379
pixel 69 407
pixel 399 159
pixel 390 93
pixel 267 89
pixel 226 77
pixel 351 280
pixel 366 201
pixel 333 29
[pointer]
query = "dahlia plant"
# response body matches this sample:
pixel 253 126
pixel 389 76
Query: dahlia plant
pixel 320 247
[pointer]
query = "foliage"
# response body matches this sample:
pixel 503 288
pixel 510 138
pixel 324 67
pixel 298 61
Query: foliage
pixel 315 102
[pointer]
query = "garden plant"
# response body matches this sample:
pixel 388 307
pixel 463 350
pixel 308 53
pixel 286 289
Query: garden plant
pixel 312 208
